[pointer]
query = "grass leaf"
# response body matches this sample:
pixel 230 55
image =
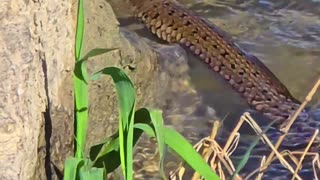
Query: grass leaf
pixel 246 156
pixel 80 88
pixel 145 128
pixel 72 165
pixel 126 97
pixel 81 112
pixel 185 150
pixel 92 173
pixel 125 91
pixel 157 122
pixel 79 30
pixel 80 68
pixel 112 158
pixel 96 150
pixel 96 52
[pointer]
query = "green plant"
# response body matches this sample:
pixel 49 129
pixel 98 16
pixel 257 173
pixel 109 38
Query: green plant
pixel 246 156
pixel 117 150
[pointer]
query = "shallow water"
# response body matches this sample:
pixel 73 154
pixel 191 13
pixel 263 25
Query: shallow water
pixel 284 35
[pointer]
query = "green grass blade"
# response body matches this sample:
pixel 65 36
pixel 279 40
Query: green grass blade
pixel 110 161
pixel 96 52
pixel 96 150
pixel 80 88
pixel 79 30
pixel 246 156
pixel 126 97
pixel 171 137
pixel 80 67
pixel 122 147
pixel 72 166
pixel 155 130
pixel 146 128
pixel 125 91
pixel 130 146
pixel 81 108
pixel 157 121
pixel 111 146
pixel 185 150
pixel 112 158
pixel 81 99
pixel 92 174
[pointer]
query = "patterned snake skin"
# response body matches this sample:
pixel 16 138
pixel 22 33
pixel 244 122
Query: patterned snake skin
pixel 262 90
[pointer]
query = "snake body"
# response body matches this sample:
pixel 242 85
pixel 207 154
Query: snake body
pixel 262 90
pixel 248 76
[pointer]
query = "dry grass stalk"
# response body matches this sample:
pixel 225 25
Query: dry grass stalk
pixel 207 151
pixel 315 162
pixel 263 160
pixel 214 148
pixel 291 121
pixel 258 130
pixel 291 155
pixel 232 135
pixel 220 157
pixel 294 159
pixel 299 166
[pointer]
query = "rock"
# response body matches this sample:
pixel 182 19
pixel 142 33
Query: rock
pixel 36 89
pixel 22 92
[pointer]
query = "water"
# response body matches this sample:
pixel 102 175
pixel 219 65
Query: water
pixel 284 35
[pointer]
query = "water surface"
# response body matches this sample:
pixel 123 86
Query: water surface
pixel 284 35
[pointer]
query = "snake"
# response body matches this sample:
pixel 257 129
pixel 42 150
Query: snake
pixel 245 73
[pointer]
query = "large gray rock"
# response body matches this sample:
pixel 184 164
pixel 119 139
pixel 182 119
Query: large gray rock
pixel 37 62
pixel 36 89
pixel 22 93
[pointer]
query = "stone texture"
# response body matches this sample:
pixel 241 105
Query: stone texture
pixel 22 94
pixel 36 90
pixel 54 31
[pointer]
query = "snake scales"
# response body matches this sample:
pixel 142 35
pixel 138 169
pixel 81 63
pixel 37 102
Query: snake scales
pixel 248 76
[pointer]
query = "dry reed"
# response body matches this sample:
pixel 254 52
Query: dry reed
pixel 220 161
